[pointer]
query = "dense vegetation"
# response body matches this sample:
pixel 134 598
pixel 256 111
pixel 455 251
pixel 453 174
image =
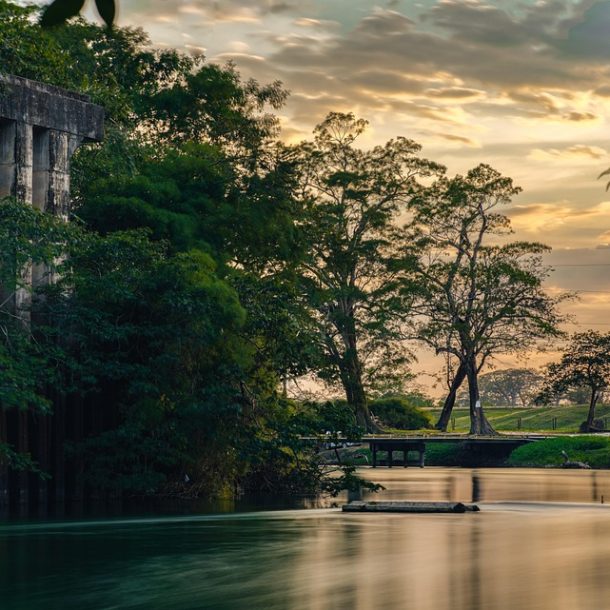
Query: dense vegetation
pixel 207 265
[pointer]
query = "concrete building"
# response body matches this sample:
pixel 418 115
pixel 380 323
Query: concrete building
pixel 40 128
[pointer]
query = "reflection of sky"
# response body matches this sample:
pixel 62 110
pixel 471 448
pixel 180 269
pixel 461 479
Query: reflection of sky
pixel 524 86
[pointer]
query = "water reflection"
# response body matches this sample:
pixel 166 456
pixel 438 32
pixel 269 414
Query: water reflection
pixel 521 551
pixel 493 484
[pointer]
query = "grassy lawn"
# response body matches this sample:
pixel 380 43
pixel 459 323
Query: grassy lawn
pixel 531 419
pixel 594 451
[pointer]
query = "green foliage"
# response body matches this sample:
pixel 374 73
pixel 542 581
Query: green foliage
pixel 350 481
pixel 479 296
pixel 27 364
pixel 19 461
pixel 351 270
pixel 507 387
pixel 594 451
pixel 26 50
pixel 586 364
pixel 333 418
pixel 398 412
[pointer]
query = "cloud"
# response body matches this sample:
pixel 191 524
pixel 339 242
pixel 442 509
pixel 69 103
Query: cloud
pixel 587 36
pixel 603 91
pixel 561 220
pixel 317 24
pixel 455 93
pixel 577 152
pixel 534 217
pixel 460 140
pixel 580 116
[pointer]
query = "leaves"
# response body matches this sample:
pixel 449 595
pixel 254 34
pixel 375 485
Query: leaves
pixel 605 173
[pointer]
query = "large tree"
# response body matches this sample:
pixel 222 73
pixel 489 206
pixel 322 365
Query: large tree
pixel 585 364
pixel 480 295
pixel 351 266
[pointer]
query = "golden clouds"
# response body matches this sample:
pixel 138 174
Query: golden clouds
pixel 570 154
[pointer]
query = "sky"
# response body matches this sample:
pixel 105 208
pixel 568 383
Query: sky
pixel 521 85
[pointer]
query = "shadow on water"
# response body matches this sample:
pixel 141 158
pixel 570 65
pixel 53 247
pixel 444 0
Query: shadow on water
pixel 541 541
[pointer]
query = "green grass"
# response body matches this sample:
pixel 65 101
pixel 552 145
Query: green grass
pixel 594 451
pixel 533 419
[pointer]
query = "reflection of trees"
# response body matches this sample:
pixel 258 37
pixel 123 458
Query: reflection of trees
pixel 476 486
pixel 474 590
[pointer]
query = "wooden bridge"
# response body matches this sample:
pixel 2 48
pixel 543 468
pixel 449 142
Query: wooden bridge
pixel 417 443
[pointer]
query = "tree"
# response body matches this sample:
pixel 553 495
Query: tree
pixel 585 364
pixel 479 296
pixel 28 238
pixel 151 353
pixel 510 387
pixel 351 269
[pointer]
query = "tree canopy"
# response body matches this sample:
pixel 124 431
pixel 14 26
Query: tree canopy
pixel 585 364
pixel 351 269
pixel 479 294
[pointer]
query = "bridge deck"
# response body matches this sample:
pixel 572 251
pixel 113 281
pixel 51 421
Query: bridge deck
pixel 418 442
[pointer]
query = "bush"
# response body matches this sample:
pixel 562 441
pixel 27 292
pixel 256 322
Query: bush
pixel 594 451
pixel 397 412
pixel 334 416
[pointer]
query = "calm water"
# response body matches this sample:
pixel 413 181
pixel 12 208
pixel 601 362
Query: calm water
pixel 542 541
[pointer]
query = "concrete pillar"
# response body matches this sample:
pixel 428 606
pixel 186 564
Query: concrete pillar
pixel 23 192
pixel 40 167
pixel 24 159
pixel 7 158
pixel 61 148
pixel 40 188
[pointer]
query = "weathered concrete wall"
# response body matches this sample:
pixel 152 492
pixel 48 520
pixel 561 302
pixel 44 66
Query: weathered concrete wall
pixel 27 101
pixel 40 128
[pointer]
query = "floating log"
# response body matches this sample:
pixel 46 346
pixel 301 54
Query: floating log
pixel 409 507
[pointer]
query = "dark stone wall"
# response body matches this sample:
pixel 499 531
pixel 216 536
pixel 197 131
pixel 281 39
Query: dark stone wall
pixel 27 101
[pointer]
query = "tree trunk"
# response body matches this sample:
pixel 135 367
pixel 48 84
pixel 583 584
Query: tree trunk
pixel 443 420
pixel 478 421
pixel 591 413
pixel 351 377
pixel 356 398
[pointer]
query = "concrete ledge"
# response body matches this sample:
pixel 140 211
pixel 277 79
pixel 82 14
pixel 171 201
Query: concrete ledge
pixel 35 103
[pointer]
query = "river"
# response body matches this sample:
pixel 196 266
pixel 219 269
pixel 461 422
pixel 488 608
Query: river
pixel 541 541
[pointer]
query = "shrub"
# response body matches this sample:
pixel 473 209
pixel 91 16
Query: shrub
pixel 334 416
pixel 397 412
pixel 594 451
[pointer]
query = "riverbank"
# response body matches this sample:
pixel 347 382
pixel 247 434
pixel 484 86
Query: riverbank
pixel 591 450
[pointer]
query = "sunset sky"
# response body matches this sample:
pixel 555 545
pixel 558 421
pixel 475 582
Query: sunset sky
pixel 521 85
